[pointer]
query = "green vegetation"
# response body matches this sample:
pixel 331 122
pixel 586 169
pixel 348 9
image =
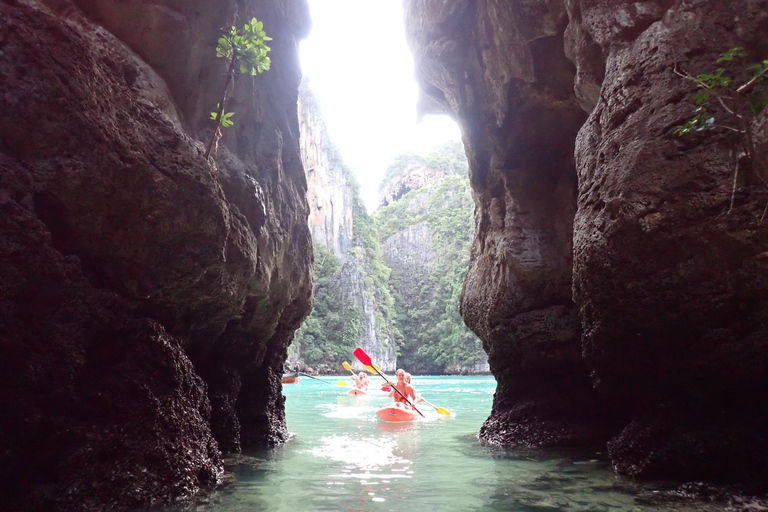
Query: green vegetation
pixel 435 339
pixel 335 325
pixel 416 308
pixel 729 98
pixel 247 54
pixel 331 331
pixel 448 158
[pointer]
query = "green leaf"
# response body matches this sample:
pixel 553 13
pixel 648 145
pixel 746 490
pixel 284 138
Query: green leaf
pixel 214 115
pixel 759 102
pixel 702 96
pixel 733 53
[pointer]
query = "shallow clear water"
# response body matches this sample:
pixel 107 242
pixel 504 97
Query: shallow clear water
pixel 343 459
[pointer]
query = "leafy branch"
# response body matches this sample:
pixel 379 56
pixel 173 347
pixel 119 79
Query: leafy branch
pixel 246 52
pixel 730 98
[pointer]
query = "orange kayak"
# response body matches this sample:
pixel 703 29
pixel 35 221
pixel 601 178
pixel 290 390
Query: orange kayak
pixel 356 391
pixel 395 414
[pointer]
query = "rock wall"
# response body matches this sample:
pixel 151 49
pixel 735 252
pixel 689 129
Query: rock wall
pixel 338 221
pixel 425 237
pixel 500 68
pixel 330 197
pixel 661 347
pixel 148 295
pixel 671 289
pixel 413 177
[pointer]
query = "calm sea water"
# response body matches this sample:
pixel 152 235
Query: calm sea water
pixel 342 458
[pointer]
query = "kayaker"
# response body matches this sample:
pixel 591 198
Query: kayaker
pixel 404 388
pixel 416 398
pixel 360 380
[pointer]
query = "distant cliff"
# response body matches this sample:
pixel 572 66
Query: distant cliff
pixel 353 306
pixel 426 231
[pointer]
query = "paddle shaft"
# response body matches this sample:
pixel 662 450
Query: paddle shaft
pixel 311 377
pixel 398 392
pixel 428 403
pixel 436 407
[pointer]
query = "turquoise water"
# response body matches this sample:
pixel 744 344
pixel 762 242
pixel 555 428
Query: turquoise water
pixel 342 458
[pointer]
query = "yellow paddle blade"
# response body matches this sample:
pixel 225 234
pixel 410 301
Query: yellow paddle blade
pixel 375 366
pixel 346 366
pixel 369 369
pixel 442 410
pixel 343 383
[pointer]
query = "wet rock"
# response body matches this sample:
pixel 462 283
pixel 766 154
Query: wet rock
pixel 667 316
pixel 147 295
pixel 500 69
pixel 671 290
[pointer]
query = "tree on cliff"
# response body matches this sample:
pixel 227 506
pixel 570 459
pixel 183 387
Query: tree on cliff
pixel 730 98
pixel 247 54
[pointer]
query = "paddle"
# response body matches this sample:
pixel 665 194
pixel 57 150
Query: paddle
pixel 349 367
pixel 338 382
pixel 440 410
pixel 366 360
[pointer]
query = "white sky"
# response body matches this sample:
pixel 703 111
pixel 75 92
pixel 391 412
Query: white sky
pixel 360 68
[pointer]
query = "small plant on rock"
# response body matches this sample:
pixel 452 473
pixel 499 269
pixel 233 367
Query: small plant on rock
pixel 246 53
pixel 730 98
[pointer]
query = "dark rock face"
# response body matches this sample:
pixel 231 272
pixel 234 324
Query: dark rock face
pixel 147 295
pixel 500 68
pixel 670 291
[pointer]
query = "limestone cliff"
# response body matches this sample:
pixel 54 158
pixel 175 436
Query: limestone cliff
pixel 425 228
pixel 352 302
pixel 331 198
pixel 415 176
pixel 148 294
pixel 616 298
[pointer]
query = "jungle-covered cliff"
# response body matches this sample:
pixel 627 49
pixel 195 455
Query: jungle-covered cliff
pixel 425 228
pixel 353 305
pixel 389 283
pixel 147 294
pixel 617 277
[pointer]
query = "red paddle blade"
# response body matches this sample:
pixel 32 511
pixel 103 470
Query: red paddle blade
pixel 362 356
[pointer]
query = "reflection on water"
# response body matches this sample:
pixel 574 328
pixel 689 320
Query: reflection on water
pixel 342 458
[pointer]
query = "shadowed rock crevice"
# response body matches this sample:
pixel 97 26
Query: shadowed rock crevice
pixel 505 76
pixel 147 295
pixel 669 291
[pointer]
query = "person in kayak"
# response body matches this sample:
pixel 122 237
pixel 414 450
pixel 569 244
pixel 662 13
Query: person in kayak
pixel 416 397
pixel 406 389
pixel 361 380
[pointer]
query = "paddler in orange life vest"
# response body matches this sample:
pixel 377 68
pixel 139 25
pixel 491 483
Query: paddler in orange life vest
pixel 404 388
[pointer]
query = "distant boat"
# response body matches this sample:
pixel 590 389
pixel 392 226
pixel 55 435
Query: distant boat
pixel 290 378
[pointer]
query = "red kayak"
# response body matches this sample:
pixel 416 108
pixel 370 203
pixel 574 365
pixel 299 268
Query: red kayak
pixel 356 391
pixel 396 414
